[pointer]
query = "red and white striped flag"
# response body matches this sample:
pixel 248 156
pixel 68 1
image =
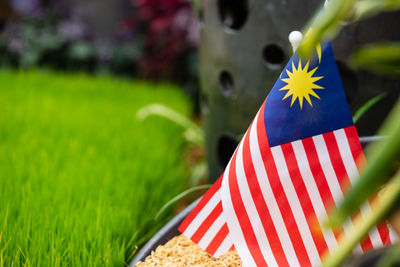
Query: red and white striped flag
pixel 293 165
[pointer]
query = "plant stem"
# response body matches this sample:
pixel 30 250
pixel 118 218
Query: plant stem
pixel 386 201
pixel 180 196
pixel 364 108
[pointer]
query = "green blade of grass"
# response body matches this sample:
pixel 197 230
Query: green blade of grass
pixel 80 178
pixel 179 197
pixel 364 108
pixel 193 132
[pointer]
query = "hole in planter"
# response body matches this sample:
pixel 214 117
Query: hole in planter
pixel 225 148
pixel 233 13
pixel 273 55
pixel 349 80
pixel 226 83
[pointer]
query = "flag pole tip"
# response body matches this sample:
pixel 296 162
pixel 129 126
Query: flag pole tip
pixel 295 38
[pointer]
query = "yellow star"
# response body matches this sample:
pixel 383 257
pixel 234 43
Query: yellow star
pixel 301 84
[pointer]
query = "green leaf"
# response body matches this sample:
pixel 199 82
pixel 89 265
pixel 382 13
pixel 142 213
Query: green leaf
pixel 325 25
pixel 364 108
pixel 382 158
pixel 329 20
pixel 368 8
pixel 179 197
pixel 387 200
pixel 193 133
pixel 379 57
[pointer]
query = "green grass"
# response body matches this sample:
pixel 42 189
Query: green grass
pixel 80 178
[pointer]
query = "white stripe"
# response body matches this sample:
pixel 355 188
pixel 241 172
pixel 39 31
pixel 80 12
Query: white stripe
pixel 251 209
pixel 352 173
pixel 211 232
pixel 270 201
pixel 313 192
pixel 327 168
pixel 224 247
pixel 347 156
pixel 202 215
pixel 294 204
pixel 233 223
pixel 333 183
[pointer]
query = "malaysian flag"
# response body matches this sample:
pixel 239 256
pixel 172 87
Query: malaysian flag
pixel 294 164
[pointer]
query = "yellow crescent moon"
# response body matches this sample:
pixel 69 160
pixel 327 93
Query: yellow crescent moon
pixel 319 52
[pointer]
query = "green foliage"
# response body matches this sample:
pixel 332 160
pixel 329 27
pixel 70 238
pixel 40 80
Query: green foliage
pixel 193 134
pixel 389 197
pixel 39 39
pixel 80 178
pixel 365 107
pixel 330 19
pixel 368 8
pixel 325 24
pixel 180 196
pixel 383 58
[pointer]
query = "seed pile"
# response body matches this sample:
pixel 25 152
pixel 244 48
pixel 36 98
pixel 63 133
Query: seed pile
pixel 181 251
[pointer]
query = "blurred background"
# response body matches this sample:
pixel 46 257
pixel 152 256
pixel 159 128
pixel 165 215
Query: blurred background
pixel 150 39
pixel 81 176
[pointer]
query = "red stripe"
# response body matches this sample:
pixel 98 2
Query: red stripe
pixel 359 158
pixel 320 179
pixel 355 146
pixel 341 174
pixel 218 239
pixel 205 225
pixel 279 193
pixel 318 173
pixel 383 230
pixel 304 198
pixel 262 209
pixel 242 216
pixel 204 200
pixel 336 159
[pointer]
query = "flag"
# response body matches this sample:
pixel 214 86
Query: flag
pixel 296 161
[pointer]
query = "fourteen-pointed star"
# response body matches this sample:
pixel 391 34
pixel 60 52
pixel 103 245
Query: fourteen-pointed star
pixel 301 84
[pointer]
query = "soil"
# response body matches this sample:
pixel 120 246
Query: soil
pixel 181 251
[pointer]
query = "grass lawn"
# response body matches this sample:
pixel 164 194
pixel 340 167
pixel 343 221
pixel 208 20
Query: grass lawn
pixel 80 178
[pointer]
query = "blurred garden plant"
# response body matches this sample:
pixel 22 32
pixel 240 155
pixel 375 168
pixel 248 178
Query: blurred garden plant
pixel 169 37
pixel 194 136
pixel 153 39
pixel 382 175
